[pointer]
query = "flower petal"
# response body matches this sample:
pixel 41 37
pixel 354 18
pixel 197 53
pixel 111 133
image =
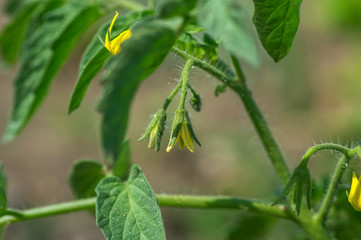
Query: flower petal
pixel 107 43
pixel 355 193
pixel 115 43
pixel 188 140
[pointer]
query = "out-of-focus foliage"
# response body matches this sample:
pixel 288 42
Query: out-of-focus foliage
pixel 51 37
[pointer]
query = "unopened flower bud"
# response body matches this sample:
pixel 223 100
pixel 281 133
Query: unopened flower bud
pixel 155 130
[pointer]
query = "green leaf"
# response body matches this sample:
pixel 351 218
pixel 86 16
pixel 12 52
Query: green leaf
pixel 84 177
pixel 227 21
pixel 96 55
pixel 122 164
pixel 141 55
pixel 3 186
pixel 170 8
pixel 13 34
pixel 276 22
pixel 12 6
pixel 196 48
pixel 128 210
pixel 48 44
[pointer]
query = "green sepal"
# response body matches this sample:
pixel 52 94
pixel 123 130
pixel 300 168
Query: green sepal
pixel 176 126
pixel 152 124
pixel 286 189
pixel 298 196
pixel 190 127
pixel 159 120
pixel 301 178
pixel 308 187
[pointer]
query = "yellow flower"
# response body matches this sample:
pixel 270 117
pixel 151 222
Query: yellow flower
pixel 182 130
pixel 355 193
pixel 113 46
pixel 184 137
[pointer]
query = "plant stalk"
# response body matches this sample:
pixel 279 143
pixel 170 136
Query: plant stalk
pixel 260 124
pixel 180 201
pixel 322 213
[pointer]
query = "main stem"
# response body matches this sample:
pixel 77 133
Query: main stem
pixel 260 124
pixel 181 201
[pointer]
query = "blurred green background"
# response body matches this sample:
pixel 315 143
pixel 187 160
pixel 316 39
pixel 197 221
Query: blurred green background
pixel 311 96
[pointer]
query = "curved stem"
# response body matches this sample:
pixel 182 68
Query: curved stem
pixel 181 201
pixel 172 94
pixel 332 189
pixel 325 146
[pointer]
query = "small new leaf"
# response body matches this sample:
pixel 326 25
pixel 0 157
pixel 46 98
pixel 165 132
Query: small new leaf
pixel 128 210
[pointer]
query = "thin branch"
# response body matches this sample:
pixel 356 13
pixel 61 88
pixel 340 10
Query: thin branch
pixel 332 190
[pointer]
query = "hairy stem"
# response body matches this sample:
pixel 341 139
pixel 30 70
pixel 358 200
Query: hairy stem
pixel 181 201
pixel 332 190
pixel 325 146
pixel 172 94
pixel 260 124
pixel 184 79
pixel 238 69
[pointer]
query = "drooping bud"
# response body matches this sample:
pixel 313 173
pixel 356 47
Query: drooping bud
pixel 196 102
pixel 182 130
pixel 155 130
